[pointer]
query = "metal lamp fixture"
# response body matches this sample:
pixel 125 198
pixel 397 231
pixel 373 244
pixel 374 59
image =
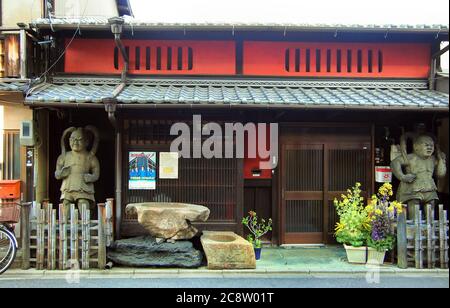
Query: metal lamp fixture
pixel 116 25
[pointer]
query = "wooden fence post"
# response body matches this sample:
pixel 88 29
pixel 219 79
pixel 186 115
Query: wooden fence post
pixel 402 242
pixel 85 236
pixel 418 236
pixel 109 222
pixel 74 237
pixel 62 237
pixel 25 234
pixel 53 240
pixel 443 237
pixel 40 251
pixel 430 235
pixel 101 237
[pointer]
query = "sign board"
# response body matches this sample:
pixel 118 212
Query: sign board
pixel 142 170
pixel 383 174
pixel 168 165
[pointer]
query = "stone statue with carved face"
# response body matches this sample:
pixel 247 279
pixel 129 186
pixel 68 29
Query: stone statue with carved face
pixel 415 172
pixel 79 168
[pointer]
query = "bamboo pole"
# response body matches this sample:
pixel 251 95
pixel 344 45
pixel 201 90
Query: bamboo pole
pixel 74 236
pixel 25 234
pixel 101 237
pixel 402 242
pixel 430 248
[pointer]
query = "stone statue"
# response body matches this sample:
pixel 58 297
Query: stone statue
pixel 78 169
pixel 416 170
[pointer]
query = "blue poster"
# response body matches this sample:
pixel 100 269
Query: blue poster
pixel 142 170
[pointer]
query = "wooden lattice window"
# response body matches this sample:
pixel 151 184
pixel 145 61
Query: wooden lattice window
pixel 214 183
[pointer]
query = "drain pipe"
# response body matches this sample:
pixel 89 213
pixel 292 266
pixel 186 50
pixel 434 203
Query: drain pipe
pixel 110 107
pixel 431 79
pixel 116 28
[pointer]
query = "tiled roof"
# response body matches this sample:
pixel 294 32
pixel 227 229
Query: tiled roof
pixel 102 22
pixel 263 93
pixel 13 85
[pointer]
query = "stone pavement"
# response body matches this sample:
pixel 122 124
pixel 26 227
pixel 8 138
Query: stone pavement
pixel 275 262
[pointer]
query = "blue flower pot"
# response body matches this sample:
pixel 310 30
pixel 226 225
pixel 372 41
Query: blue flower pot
pixel 257 253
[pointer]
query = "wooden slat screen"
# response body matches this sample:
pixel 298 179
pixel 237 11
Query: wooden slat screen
pixel 346 168
pixel 213 183
pixel 304 216
pixel 305 171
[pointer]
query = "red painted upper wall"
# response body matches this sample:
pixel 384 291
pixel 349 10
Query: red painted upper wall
pixel 382 60
pixel 87 56
pixel 284 59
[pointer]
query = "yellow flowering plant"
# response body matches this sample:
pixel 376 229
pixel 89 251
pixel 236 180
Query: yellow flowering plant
pixel 353 227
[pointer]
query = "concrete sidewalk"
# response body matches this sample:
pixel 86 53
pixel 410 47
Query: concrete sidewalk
pixel 275 262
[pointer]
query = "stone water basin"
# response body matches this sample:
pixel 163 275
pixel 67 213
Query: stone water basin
pixel 227 250
pixel 168 220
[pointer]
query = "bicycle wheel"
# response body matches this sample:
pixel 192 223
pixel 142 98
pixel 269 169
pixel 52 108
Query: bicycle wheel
pixel 7 250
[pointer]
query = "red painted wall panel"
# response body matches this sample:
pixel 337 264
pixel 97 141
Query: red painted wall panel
pixel 253 163
pixel 88 56
pixel 399 60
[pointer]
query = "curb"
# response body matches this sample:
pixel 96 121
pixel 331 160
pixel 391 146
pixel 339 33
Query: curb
pixel 204 273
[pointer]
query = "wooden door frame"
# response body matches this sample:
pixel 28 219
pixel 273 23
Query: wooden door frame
pixel 285 138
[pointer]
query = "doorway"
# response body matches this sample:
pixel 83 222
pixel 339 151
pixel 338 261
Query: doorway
pixel 318 165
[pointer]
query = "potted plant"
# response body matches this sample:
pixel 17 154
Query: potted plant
pixel 366 231
pixel 353 227
pixel 382 213
pixel 257 229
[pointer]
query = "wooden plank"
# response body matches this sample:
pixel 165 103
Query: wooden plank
pixel 85 236
pixel 53 241
pixel 417 237
pixel 62 237
pixel 25 234
pixel 443 237
pixel 41 239
pixel 430 249
pixel 109 222
pixel 101 237
pixel 402 242
pixel 74 263
pixel 48 216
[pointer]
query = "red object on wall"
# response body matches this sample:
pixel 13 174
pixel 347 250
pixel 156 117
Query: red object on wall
pixel 88 56
pixel 376 60
pixel 10 189
pixel 251 164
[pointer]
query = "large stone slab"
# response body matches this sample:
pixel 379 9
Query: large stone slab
pixel 169 220
pixel 227 250
pixel 145 251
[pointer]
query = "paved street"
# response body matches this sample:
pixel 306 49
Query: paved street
pixel 385 281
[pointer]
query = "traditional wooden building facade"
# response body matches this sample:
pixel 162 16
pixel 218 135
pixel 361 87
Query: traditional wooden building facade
pixel 341 96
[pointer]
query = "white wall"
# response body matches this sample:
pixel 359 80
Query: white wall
pixel 77 8
pixel 14 11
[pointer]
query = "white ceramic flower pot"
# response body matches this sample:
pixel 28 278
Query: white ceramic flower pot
pixel 358 255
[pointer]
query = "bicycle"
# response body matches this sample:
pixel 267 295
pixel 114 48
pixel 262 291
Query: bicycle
pixel 9 215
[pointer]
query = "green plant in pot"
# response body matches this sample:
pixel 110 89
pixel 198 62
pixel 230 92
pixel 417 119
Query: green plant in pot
pixel 257 228
pixel 365 231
